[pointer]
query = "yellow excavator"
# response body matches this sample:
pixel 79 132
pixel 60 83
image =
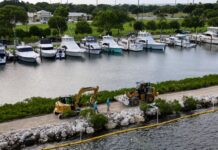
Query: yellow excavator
pixel 144 92
pixel 73 103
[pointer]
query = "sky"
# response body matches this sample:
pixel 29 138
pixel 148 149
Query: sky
pixel 112 2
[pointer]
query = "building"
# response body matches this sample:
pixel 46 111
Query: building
pixel 77 16
pixel 43 16
pixel 40 16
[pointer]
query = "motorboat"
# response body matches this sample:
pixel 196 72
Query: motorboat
pixel 108 44
pixel 3 55
pixel 148 42
pixel 210 36
pixel 71 47
pixel 26 53
pixel 46 49
pixel 131 44
pixel 91 45
pixel 60 53
pixel 181 40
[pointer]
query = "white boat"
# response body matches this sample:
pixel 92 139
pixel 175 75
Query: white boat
pixel 60 53
pixel 3 54
pixel 108 44
pixel 26 53
pixel 46 49
pixel 211 36
pixel 71 47
pixel 149 42
pixel 131 44
pixel 181 40
pixel 91 45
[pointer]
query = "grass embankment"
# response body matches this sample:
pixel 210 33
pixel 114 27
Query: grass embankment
pixel 127 28
pixel 39 106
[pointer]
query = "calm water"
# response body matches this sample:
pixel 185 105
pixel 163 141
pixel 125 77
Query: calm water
pixel 57 78
pixel 199 133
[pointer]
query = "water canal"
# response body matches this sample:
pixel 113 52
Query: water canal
pixel 52 78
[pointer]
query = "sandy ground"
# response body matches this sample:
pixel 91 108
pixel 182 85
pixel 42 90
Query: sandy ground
pixel 115 107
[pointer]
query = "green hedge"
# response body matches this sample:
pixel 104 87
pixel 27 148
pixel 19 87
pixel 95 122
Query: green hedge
pixel 39 106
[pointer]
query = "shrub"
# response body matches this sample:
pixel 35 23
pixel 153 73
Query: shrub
pixel 35 31
pixel 86 113
pixel 143 106
pixel 83 27
pixel 189 104
pixel 176 106
pixel 151 25
pixel 164 107
pixel 138 25
pixel 69 113
pixel 99 121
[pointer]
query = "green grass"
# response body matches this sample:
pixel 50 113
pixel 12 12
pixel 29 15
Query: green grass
pixel 127 28
pixel 39 106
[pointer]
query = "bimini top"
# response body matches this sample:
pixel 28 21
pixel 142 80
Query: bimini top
pixel 90 39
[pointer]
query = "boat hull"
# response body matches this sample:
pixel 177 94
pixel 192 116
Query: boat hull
pixel 155 46
pixel 3 60
pixel 113 50
pixel 48 53
pixel 74 54
pixel 93 51
pixel 27 59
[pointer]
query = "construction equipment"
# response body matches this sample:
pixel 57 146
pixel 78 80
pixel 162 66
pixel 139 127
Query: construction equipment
pixel 144 92
pixel 73 103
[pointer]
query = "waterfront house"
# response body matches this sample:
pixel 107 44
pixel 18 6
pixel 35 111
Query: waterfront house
pixel 40 16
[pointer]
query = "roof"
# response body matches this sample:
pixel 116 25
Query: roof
pixel 76 14
pixel 43 12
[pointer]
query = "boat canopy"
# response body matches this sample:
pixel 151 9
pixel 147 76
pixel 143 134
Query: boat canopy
pixel 45 41
pixel 213 29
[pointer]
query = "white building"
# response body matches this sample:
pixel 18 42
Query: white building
pixel 43 16
pixel 77 16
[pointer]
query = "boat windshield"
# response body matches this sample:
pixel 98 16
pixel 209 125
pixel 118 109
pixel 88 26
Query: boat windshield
pixel 47 48
pixel 45 41
pixel 67 39
pixel 91 39
pixel 26 49
pixel 2 55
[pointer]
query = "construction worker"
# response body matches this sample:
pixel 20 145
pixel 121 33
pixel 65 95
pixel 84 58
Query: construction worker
pixel 108 104
pixel 95 106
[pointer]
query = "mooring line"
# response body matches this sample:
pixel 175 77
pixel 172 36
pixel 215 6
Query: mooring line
pixel 129 130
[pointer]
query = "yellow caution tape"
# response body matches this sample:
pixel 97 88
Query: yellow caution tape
pixel 128 130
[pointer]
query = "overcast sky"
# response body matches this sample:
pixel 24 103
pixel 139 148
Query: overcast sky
pixel 121 1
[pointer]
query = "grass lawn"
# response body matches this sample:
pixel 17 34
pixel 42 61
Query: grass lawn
pixel 128 27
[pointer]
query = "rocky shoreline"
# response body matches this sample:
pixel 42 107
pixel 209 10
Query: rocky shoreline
pixel 72 129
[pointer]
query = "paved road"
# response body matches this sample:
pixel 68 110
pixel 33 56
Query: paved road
pixel 115 106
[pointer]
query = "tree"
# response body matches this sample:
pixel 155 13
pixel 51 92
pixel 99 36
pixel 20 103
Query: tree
pixel 62 12
pixel 35 31
pixel 46 32
pixel 21 33
pixel 213 21
pixel 193 22
pixel 58 23
pixel 9 16
pixel 172 10
pixel 174 24
pixel 83 27
pixel 104 20
pixel 151 25
pixel 139 25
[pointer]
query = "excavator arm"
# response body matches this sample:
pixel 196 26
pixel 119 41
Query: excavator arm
pixel 83 90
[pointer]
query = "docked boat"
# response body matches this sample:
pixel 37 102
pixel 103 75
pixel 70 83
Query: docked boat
pixel 108 44
pixel 181 40
pixel 71 47
pixel 26 53
pixel 3 55
pixel 148 42
pixel 131 44
pixel 91 45
pixel 211 36
pixel 46 49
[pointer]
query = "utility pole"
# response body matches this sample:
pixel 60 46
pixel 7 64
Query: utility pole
pixel 193 1
pixel 138 11
pixel 96 2
pixel 175 2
